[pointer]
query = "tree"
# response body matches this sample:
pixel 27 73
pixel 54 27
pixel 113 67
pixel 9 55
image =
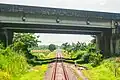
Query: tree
pixel 29 39
pixel 93 40
pixel 74 48
pixel 52 47
pixel 65 46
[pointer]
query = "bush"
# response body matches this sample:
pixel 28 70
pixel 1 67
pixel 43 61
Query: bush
pixel 95 59
pixel 4 76
pixel 85 57
pixel 79 54
pixel 13 63
pixel 1 45
pixel 41 55
pixel 18 47
pixel 108 69
pixel 21 48
pixel 113 66
pixel 79 61
pixel 52 47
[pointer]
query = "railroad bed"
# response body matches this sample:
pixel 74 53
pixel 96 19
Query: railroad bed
pixel 59 71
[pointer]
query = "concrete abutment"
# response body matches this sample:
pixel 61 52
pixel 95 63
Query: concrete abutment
pixel 108 44
pixel 103 43
pixel 6 36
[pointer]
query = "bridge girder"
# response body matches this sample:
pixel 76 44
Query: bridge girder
pixel 50 16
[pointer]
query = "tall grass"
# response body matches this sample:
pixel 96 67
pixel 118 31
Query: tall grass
pixel 37 73
pixel 12 64
pixel 107 70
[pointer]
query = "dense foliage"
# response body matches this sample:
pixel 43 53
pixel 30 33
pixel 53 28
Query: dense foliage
pixel 109 69
pixel 17 60
pixel 52 47
pixel 98 68
pixel 83 53
pixel 12 63
pixel 14 58
pixel 28 39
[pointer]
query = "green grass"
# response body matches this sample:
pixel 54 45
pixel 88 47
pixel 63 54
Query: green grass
pixel 12 64
pixel 77 75
pixel 4 76
pixel 44 55
pixel 39 55
pixel 105 71
pixel 37 73
pixel 51 55
pixel 65 54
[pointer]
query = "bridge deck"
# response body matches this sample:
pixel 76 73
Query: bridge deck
pixel 37 19
pixel 58 12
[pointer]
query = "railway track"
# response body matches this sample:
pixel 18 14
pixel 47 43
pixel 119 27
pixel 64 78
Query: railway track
pixel 59 71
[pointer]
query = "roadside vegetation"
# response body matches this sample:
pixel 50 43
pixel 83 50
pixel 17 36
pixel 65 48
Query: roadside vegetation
pixel 36 73
pixel 96 66
pixel 25 60
pixel 12 63
pixel 17 62
pixel 109 69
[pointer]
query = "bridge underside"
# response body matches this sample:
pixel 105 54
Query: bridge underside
pixel 62 29
pixel 103 34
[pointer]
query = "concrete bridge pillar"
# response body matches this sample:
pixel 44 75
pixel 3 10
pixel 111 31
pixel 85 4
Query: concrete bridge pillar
pixel 116 44
pixel 2 36
pixel 108 44
pixel 117 47
pixel 103 43
pixel 6 36
pixel 98 42
pixel 9 37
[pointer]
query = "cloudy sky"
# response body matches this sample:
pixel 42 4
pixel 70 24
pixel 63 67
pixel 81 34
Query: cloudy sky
pixel 95 5
pixel 62 38
pixel 92 5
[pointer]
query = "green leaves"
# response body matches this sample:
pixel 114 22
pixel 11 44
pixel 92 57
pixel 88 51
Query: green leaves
pixel 52 47
pixel 12 62
pixel 74 48
pixel 28 39
pixel 95 59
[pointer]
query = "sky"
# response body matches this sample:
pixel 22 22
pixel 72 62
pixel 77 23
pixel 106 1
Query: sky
pixel 91 5
pixel 58 39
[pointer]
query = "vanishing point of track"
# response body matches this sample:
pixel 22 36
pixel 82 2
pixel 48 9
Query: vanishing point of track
pixel 59 69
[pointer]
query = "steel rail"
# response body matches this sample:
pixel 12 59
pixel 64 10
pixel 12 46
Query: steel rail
pixel 59 58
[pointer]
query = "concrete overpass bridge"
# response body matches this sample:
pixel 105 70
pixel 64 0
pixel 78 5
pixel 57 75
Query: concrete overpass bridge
pixel 19 18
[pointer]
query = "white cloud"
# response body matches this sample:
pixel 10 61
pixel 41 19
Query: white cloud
pixel 95 5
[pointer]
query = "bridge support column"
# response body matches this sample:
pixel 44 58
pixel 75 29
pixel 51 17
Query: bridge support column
pixel 2 36
pixel 98 42
pixel 117 47
pixel 6 36
pixel 116 44
pixel 107 45
pixel 103 42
